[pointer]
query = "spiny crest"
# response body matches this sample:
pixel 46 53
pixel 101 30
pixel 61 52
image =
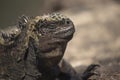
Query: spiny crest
pixel 7 38
pixel 22 21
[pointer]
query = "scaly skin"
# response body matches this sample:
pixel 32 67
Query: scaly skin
pixel 13 47
pixel 40 35
pixel 34 50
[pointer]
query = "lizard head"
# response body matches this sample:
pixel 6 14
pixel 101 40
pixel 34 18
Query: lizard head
pixel 55 26
pixel 53 32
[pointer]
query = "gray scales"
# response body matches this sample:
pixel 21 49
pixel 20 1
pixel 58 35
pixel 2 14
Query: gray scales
pixel 34 50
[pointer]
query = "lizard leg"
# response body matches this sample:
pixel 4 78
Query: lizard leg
pixel 67 72
pixel 90 71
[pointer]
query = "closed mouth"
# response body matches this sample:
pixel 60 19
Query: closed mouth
pixel 66 33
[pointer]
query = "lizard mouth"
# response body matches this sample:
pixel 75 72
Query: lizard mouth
pixel 65 33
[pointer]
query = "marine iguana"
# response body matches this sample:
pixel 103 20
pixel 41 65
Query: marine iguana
pixel 35 49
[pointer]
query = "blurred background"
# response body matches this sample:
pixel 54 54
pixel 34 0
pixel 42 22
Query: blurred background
pixel 97 23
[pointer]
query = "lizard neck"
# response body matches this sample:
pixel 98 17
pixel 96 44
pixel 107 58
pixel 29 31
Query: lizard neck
pixel 51 57
pixel 49 60
pixel 49 53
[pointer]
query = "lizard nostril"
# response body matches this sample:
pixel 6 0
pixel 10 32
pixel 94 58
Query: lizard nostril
pixel 67 22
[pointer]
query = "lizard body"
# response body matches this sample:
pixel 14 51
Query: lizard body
pixel 34 50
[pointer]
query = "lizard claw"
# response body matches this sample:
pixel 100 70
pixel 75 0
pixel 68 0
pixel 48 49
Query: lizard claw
pixel 90 71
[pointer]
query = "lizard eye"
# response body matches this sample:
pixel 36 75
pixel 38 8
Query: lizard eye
pixel 51 27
